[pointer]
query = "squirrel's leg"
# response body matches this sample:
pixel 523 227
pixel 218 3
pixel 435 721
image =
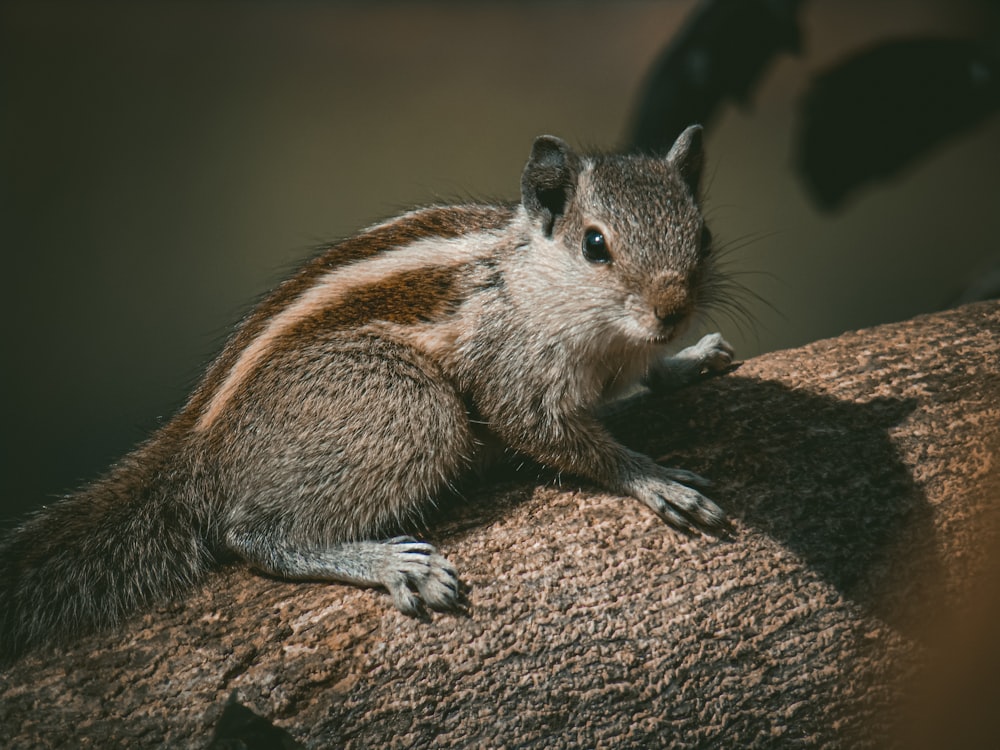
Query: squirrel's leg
pixel 411 571
pixel 712 354
pixel 578 444
pixel 330 447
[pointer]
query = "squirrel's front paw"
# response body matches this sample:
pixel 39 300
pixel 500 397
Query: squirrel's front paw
pixel 680 506
pixel 712 353
pixel 416 575
pixel 710 356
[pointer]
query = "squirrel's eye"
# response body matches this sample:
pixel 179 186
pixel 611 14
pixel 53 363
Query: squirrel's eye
pixel 595 247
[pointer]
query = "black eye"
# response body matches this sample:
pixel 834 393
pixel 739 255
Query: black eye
pixel 595 247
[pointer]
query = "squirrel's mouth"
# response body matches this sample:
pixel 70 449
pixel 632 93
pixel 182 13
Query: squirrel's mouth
pixel 653 326
pixel 669 330
pixel 652 332
pixel 660 338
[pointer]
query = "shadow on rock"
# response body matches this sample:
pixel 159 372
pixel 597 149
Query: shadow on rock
pixel 817 474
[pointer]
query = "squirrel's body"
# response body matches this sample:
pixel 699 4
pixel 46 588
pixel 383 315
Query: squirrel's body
pixel 375 378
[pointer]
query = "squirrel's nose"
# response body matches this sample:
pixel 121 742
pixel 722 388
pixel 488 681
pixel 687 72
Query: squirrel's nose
pixel 670 318
pixel 672 300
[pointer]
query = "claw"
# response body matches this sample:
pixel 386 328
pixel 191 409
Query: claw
pixel 675 519
pixel 418 576
pixel 678 504
pixel 687 477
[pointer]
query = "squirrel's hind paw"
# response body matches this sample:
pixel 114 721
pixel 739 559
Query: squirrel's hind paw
pixel 417 576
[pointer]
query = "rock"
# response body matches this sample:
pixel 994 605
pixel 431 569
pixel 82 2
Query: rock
pixel 862 478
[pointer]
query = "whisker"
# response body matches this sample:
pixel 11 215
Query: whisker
pixel 724 291
pixel 725 248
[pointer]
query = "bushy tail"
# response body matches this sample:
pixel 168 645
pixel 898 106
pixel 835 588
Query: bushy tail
pixel 90 560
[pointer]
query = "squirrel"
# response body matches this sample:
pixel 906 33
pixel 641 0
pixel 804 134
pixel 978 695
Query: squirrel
pixel 381 374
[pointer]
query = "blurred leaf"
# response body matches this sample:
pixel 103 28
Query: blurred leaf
pixel 871 116
pixel 719 54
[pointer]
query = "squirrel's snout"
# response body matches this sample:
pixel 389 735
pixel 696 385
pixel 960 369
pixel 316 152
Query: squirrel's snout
pixel 670 319
pixel 671 300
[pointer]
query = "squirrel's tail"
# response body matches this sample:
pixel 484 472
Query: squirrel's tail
pixel 88 561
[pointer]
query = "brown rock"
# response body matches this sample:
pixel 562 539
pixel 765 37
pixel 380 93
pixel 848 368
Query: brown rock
pixel 861 474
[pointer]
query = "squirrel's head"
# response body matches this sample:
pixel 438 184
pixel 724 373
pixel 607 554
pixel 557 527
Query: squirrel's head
pixel 624 234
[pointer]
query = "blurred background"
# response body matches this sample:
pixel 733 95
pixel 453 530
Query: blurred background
pixel 163 164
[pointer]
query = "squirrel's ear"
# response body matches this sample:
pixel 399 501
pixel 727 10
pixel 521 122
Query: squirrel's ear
pixel 548 181
pixel 687 156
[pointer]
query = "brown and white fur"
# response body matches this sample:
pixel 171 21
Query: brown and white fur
pixel 373 379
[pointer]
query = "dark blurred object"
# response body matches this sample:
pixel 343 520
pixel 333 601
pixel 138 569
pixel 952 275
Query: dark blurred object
pixel 239 728
pixel 863 120
pixel 719 54
pixel 871 116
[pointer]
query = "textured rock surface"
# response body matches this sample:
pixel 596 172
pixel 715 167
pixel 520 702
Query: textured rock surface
pixel 861 473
